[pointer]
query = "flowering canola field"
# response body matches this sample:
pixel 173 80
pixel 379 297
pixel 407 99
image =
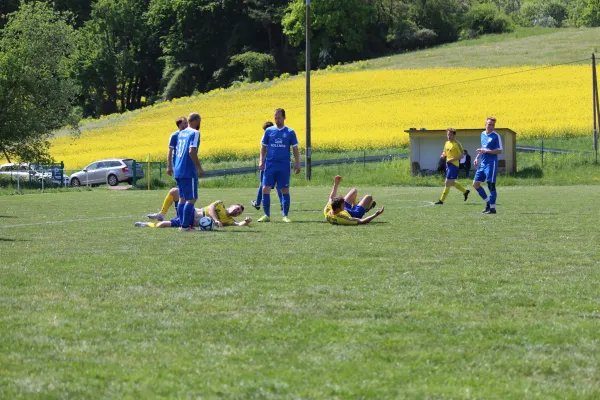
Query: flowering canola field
pixel 355 110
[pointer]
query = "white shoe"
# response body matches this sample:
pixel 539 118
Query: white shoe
pixel 157 216
pixel 142 224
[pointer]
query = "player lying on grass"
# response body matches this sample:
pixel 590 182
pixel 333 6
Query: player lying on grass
pixel 345 210
pixel 217 211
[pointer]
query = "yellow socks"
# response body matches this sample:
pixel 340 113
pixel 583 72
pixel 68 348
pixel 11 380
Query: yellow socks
pixel 445 194
pixel 167 204
pixel 460 187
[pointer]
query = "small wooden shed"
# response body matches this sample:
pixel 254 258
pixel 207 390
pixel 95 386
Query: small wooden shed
pixel 426 146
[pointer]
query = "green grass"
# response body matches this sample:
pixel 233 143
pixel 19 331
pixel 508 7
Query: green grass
pixel 527 46
pixel 425 302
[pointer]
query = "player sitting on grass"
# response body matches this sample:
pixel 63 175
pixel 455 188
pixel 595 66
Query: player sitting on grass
pixel 217 211
pixel 345 211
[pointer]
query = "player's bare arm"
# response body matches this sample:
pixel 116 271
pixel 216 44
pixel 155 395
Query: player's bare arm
pixel 195 160
pixel 488 151
pixel 371 217
pixel 170 162
pixel 336 184
pixel 211 212
pixel 263 154
pixel 297 158
pixel 245 222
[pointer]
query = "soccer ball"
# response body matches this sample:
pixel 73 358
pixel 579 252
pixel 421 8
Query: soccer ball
pixel 206 224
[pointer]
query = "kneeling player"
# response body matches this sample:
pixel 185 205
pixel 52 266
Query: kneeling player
pixel 345 211
pixel 217 211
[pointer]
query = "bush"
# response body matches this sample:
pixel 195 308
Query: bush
pixel 486 18
pixel 181 84
pixel 256 66
pixel 591 13
pixel 412 37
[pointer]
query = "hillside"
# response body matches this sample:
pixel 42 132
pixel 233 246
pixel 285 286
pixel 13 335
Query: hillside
pixel 385 101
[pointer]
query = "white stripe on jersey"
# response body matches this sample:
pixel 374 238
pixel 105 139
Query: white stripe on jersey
pixel 499 141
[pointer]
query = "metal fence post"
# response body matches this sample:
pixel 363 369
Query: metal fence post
pixel 134 166
pixel 542 152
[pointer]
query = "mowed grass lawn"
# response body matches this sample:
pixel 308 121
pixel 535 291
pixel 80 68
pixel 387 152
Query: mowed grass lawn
pixel 425 302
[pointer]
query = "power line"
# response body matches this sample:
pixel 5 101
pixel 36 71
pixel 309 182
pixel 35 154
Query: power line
pixel 384 94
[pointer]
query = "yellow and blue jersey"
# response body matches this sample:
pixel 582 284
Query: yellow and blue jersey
pixel 184 167
pixel 220 213
pixel 341 218
pixel 452 150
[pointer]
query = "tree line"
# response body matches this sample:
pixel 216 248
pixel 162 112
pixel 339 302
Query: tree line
pixel 63 60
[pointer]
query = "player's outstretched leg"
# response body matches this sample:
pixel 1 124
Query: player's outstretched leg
pixel 259 193
pixel 171 197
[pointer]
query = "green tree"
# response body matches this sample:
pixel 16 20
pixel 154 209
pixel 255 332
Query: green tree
pixel 591 13
pixel 37 91
pixel 338 27
pixel 118 59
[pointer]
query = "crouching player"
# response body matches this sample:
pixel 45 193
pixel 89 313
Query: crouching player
pixel 217 211
pixel 345 210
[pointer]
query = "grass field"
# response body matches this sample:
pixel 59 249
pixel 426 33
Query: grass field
pixel 425 302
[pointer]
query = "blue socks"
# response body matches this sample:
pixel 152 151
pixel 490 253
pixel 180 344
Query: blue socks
pixel 482 193
pixel 266 199
pixel 280 195
pixel 259 195
pixel 286 204
pixel 493 196
pixel 188 215
pixel 180 207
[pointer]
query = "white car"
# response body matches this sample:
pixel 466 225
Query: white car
pixel 111 171
pixel 14 171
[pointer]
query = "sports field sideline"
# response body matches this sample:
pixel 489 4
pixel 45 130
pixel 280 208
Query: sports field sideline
pixel 423 302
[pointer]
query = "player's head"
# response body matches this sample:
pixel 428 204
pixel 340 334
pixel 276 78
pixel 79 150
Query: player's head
pixel 181 123
pixel 337 204
pixel 450 134
pixel 266 125
pixel 279 117
pixel 235 210
pixel 490 124
pixel 194 120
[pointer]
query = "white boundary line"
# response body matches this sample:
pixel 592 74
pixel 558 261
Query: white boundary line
pixel 65 221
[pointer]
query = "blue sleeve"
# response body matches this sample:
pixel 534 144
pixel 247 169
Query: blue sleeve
pixel 293 139
pixel 195 140
pixel 173 141
pixel 265 139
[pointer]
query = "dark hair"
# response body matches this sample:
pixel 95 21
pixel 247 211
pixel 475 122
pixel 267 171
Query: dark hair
pixel 491 119
pixel 281 110
pixel 266 125
pixel 238 204
pixel 194 117
pixel 451 130
pixel 337 203
pixel 179 120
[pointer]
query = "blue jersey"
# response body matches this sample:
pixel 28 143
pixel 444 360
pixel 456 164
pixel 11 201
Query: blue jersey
pixel 173 144
pixel 491 142
pixel 278 143
pixel 184 166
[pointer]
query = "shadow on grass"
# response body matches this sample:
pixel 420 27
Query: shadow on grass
pixel 13 240
pixel 8 216
pixel 530 173
pixel 240 230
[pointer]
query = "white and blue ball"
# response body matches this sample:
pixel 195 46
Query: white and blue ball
pixel 206 224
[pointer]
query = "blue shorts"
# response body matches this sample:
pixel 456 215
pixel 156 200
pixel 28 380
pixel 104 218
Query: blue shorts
pixel 355 211
pixel 175 223
pixel 187 187
pixel 486 173
pixel 277 175
pixel 451 171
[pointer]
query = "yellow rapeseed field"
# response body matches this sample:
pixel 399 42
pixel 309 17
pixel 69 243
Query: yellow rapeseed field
pixel 353 110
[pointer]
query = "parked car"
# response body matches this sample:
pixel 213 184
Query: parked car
pixel 111 171
pixel 50 174
pixel 14 171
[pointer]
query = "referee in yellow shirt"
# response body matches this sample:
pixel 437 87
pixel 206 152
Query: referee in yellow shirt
pixel 453 151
